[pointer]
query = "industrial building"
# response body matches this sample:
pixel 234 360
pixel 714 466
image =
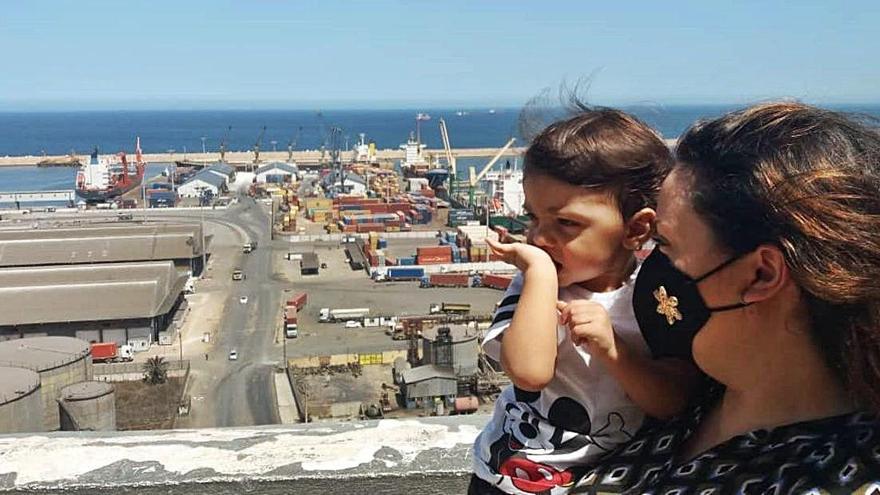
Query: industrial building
pixel 89 406
pixel 223 170
pixel 452 346
pixel 126 303
pixel 422 387
pixel 59 361
pixel 21 404
pixel 204 182
pixel 183 243
pixel 276 172
pixel 309 264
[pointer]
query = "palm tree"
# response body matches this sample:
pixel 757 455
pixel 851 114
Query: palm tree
pixel 155 370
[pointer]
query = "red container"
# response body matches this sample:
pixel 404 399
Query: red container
pixel 434 251
pixel 298 300
pixel 290 319
pixel 433 260
pixel 104 351
pixel 466 405
pixel 449 279
pixel 493 281
pixel 350 228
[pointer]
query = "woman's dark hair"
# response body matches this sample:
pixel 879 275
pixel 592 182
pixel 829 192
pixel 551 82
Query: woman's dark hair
pixel 603 149
pixel 808 181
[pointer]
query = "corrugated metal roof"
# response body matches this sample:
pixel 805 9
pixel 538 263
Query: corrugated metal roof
pixel 207 177
pixel 107 291
pixel 286 167
pixel 427 372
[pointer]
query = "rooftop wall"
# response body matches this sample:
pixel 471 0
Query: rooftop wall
pixel 424 456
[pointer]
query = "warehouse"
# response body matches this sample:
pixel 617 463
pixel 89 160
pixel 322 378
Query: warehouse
pixel 422 387
pixel 223 170
pixel 276 172
pixel 126 303
pixel 203 183
pixel 183 243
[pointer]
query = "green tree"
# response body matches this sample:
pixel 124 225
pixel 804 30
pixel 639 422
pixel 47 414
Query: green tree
pixel 156 370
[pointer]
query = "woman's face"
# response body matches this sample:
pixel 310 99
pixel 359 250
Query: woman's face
pixel 689 243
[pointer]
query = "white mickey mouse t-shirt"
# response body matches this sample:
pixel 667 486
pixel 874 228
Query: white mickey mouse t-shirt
pixel 540 442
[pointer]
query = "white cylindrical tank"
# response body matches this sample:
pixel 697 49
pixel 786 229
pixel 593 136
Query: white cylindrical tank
pixel 21 406
pixel 60 361
pixel 88 406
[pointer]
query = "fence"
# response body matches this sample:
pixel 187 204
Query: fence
pixel 130 372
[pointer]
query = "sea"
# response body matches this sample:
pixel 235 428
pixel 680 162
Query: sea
pixel 182 132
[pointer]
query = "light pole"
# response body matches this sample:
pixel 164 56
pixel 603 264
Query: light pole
pixel 203 145
pixel 180 343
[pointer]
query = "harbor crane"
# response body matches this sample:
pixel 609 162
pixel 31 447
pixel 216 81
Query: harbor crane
pixel 223 144
pixel 292 144
pixel 334 143
pixel 474 177
pixel 257 146
pixel 450 160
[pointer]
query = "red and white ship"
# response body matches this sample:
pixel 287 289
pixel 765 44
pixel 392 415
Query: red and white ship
pixel 106 177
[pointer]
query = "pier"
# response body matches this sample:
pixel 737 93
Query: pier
pixel 19 197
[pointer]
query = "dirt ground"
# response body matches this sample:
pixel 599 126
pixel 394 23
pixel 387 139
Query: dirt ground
pixel 140 406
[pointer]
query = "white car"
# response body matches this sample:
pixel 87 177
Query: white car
pixel 352 324
pixel 233 355
pixel 243 299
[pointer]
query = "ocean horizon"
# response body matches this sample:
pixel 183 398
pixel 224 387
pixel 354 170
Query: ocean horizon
pixel 59 133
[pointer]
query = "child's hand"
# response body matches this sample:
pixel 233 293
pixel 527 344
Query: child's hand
pixel 589 325
pixel 523 256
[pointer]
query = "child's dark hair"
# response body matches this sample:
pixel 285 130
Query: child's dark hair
pixel 603 149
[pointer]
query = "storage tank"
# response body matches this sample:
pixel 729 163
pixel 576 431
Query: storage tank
pixel 60 361
pixel 21 408
pixel 89 406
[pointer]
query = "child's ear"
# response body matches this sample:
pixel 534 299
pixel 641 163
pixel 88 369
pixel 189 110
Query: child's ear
pixel 638 228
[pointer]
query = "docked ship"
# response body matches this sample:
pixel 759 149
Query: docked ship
pixel 106 177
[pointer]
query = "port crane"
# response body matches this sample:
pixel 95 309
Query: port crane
pixel 474 177
pixel 334 143
pixel 292 144
pixel 450 160
pixel 223 144
pixel 257 146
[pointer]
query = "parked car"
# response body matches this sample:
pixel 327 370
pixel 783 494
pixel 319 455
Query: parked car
pixel 323 266
pixel 243 299
pixel 233 355
pixel 352 324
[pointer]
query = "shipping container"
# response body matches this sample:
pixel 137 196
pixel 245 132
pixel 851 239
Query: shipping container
pixel 493 281
pixel 447 280
pixel 400 273
pixel 298 300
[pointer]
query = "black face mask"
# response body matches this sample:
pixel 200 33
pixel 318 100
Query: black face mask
pixel 669 307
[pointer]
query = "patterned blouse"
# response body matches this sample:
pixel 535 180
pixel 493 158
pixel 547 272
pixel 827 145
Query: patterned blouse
pixel 839 454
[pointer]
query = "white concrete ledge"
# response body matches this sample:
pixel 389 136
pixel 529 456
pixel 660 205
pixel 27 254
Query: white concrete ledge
pixel 428 455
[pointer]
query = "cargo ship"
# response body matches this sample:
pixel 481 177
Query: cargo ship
pixel 106 177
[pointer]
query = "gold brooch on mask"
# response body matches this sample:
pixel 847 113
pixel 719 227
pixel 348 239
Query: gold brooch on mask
pixel 667 305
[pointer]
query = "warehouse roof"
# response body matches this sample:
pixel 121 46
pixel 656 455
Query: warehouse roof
pixel 101 243
pixel 285 167
pixel 427 372
pixel 207 177
pixel 70 293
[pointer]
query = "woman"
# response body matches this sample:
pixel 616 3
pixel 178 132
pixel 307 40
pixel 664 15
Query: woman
pixel 768 261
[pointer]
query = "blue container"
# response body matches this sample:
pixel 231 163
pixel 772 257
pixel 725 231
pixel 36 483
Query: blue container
pixel 406 260
pixel 406 273
pixel 383 243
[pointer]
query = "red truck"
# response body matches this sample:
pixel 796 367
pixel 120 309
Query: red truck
pixel 298 300
pixel 109 352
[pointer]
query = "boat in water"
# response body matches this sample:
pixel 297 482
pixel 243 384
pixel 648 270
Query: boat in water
pixel 106 177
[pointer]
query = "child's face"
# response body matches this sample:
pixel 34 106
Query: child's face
pixel 582 230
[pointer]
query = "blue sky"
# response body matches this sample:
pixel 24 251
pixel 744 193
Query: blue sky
pixel 295 54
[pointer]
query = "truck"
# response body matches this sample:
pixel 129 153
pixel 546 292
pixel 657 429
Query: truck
pixel 298 301
pixel 493 281
pixel 446 280
pixel 445 307
pixel 326 315
pixel 401 274
pixel 110 352
pixel 237 274
pixel 291 329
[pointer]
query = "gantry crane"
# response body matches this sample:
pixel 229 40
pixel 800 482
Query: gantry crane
pixel 474 177
pixel 450 160
pixel 257 146
pixel 292 144
pixel 223 144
